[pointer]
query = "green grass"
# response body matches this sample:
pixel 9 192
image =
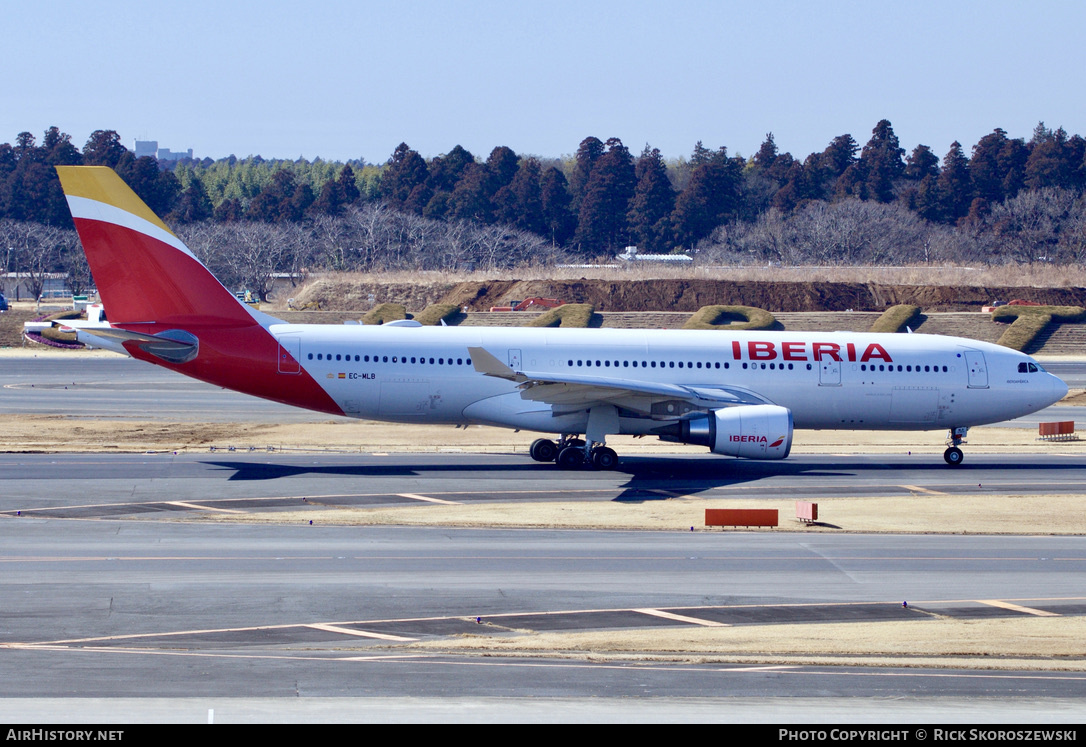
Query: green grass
pixel 1030 321
pixel 385 312
pixel 433 314
pixel 730 318
pixel 568 315
pixel 895 318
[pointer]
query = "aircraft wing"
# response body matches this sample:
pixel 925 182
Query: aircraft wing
pixel 579 391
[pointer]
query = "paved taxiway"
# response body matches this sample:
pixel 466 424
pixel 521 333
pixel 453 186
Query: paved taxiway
pixel 107 595
pixel 109 592
pixel 95 485
pixel 126 608
pixel 116 387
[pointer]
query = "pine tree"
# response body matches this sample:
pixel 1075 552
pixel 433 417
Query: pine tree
pixel 558 218
pixel 987 168
pixel 471 198
pixel 103 148
pixel 766 154
pixel 347 186
pixel 883 163
pixel 406 171
pixel 954 185
pixel 822 170
pixel 193 205
pixel 273 203
pixel 1050 163
pixel 159 189
pixel 58 149
pixel 520 203
pixel 601 222
pixel 711 197
pixel 922 162
pixel 501 167
pixel 649 216
pixel 589 152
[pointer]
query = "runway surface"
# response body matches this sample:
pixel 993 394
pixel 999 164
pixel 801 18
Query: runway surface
pixel 110 591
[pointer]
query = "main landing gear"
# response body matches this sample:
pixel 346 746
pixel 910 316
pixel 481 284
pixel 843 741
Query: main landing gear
pixel 573 453
pixel 955 438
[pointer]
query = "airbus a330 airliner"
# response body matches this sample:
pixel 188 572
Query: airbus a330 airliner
pixel 737 393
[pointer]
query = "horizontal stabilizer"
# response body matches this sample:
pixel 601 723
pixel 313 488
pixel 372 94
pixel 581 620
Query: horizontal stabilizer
pixel 175 346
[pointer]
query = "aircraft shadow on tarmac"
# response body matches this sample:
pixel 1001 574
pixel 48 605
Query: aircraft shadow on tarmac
pixel 690 477
pixel 656 471
pixel 650 478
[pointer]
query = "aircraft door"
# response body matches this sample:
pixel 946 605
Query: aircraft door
pixel 978 371
pixel 290 352
pixel 829 372
pixel 515 360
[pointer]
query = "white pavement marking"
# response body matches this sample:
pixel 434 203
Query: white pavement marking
pixel 766 668
pixel 1018 608
pixel 183 504
pixel 414 497
pixel 359 633
pixel 919 489
pixel 682 618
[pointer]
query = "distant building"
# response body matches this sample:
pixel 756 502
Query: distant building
pixel 631 255
pixel 150 148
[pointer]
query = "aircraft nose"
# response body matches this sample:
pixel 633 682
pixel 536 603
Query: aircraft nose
pixel 1059 388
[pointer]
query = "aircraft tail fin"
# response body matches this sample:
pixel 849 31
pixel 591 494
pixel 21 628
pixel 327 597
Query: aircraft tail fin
pixel 144 273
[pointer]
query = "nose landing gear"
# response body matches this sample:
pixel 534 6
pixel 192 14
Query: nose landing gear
pixel 953 455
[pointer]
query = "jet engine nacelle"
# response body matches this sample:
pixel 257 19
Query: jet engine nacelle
pixel 747 431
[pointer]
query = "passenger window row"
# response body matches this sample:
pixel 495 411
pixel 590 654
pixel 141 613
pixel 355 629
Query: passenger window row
pixel 392 359
pixel 582 363
pixel 907 368
pixel 642 364
pixel 772 366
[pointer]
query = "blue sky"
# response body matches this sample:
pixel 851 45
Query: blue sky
pixel 343 80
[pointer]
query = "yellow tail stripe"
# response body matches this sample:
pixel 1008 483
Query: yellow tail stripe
pixel 102 184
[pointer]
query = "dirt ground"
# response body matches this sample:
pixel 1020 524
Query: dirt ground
pixel 1036 643
pixel 674 294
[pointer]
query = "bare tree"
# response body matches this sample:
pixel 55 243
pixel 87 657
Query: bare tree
pixel 1028 227
pixel 35 250
pixel 846 232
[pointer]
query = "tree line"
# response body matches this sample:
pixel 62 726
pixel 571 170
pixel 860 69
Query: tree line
pixel 1011 199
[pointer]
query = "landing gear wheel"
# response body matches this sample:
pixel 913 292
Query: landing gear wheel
pixel 604 458
pixel 953 456
pixel 578 442
pixel 570 457
pixel 543 450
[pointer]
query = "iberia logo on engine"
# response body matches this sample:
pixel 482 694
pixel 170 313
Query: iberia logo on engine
pixel 757 440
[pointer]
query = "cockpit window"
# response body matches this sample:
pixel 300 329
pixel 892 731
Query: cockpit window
pixel 1025 367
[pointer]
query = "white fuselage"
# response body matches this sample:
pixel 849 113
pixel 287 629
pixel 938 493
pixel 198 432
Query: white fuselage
pixel 827 380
